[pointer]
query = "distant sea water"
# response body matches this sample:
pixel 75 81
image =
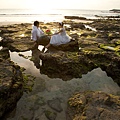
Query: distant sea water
pixel 30 15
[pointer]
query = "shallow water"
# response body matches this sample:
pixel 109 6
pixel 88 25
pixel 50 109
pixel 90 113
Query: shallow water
pixel 32 106
pixel 93 29
pixel 1 47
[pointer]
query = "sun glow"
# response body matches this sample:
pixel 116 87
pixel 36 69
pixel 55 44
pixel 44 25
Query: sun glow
pixel 59 4
pixel 46 5
pixel 38 5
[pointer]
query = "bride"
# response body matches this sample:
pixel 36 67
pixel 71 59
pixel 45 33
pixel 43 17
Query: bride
pixel 59 37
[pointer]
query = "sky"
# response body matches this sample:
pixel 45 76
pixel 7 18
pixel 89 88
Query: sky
pixel 60 4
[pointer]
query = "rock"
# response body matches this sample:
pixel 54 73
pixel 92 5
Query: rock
pixel 78 25
pixel 50 115
pixel 71 46
pixel 74 36
pixel 105 61
pixel 106 25
pixel 70 65
pixel 115 10
pixel 11 83
pixel 66 62
pixel 73 65
pixel 4 53
pixel 21 45
pixel 17 37
pixel 88 33
pixel 75 17
pixel 107 47
pixel 44 40
pixel 5 41
pixel 93 106
pixel 115 41
pixel 55 105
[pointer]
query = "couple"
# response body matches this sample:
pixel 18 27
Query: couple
pixel 57 38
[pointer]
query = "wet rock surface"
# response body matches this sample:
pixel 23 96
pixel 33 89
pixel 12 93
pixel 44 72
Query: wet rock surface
pixel 11 83
pixel 74 65
pixel 93 106
pixel 90 49
pixel 55 105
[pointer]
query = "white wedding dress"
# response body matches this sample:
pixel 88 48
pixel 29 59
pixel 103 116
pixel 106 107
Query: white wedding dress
pixel 61 38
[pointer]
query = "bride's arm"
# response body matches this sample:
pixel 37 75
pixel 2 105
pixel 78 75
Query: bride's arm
pixel 61 30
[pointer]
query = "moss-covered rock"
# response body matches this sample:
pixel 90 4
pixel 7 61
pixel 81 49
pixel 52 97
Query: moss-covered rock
pixel 11 83
pixel 93 105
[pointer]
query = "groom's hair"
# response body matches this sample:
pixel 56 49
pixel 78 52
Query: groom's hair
pixel 36 23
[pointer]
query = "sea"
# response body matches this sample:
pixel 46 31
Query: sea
pixel 49 15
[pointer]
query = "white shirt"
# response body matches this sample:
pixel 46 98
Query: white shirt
pixel 36 33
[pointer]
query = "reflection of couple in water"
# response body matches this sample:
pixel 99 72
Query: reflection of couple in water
pixel 35 57
pixel 57 38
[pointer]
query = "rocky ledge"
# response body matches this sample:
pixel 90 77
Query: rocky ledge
pixel 93 106
pixel 95 44
pixel 115 10
pixel 11 83
pixel 73 65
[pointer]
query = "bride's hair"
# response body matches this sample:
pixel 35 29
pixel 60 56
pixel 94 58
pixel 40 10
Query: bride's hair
pixel 61 23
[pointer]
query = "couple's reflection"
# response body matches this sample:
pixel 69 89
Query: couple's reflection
pixel 35 57
pixel 48 67
pixel 37 52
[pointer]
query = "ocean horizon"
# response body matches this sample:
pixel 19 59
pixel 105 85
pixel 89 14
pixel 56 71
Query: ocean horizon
pixel 49 15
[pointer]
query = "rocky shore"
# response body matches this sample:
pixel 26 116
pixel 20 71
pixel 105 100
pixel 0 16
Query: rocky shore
pixel 93 45
pixel 11 82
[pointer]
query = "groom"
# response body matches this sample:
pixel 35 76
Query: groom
pixel 38 35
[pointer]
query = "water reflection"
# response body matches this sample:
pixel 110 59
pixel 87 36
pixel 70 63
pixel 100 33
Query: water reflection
pixel 1 39
pixel 93 29
pixel 33 105
pixel 35 57
pixel 23 62
pixel 1 47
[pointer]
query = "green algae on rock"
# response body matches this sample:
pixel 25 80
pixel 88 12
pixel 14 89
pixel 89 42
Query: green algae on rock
pixel 11 83
pixel 93 105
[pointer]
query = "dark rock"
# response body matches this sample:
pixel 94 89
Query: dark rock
pixel 4 53
pixel 50 115
pixel 78 25
pixel 70 65
pixel 43 40
pixel 71 46
pixel 73 65
pixel 55 105
pixel 75 17
pixel 66 62
pixel 74 36
pixel 93 106
pixel 21 45
pixel 106 25
pixel 86 34
pixel 115 10
pixel 11 83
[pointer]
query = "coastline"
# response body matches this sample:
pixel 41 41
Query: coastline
pixel 11 22
pixel 19 22
pixel 51 88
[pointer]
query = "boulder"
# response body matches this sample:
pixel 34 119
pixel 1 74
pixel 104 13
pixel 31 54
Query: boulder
pixel 71 46
pixel 65 65
pixel 93 106
pixel 75 17
pixel 11 83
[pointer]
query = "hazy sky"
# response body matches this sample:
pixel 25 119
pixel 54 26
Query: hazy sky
pixel 62 4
